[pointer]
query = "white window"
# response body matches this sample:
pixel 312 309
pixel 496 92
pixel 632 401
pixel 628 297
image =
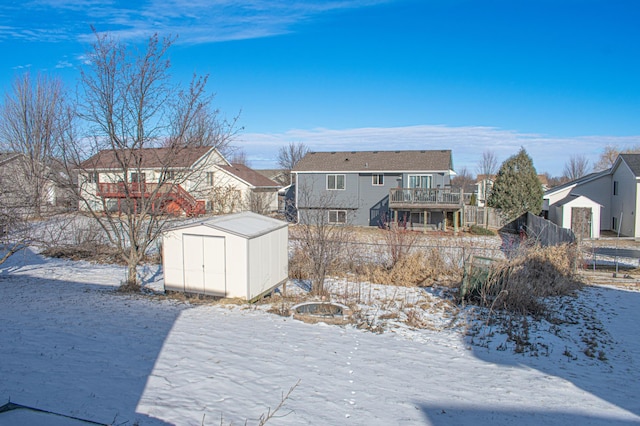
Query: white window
pixel 138 177
pixel 168 175
pixel 615 187
pixel 94 177
pixel 420 181
pixel 210 178
pixel 337 216
pixel 377 180
pixel 335 182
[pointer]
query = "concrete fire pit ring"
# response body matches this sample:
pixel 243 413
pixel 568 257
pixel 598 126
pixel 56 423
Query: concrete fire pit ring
pixel 327 312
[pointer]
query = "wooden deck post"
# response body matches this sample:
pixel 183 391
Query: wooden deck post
pixel 424 222
pixel 456 215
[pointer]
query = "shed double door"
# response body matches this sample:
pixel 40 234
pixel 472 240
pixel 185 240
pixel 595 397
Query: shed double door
pixel 204 264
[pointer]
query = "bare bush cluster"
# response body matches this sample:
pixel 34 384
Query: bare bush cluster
pixel 518 284
pixel 386 263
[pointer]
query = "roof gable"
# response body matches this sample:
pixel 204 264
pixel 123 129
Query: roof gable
pixel 376 161
pixel 6 157
pixel 633 162
pixel 576 182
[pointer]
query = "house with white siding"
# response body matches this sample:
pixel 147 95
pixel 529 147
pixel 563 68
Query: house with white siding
pixel 185 181
pixel 608 200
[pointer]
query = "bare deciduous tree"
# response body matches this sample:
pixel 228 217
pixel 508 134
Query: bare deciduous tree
pixel 488 164
pixel 463 179
pixel 239 156
pixel 323 233
pixel 225 199
pixel 128 105
pixel 610 154
pixel 288 157
pixel 487 169
pixel 259 202
pixel 34 119
pixel 576 167
pixel 607 158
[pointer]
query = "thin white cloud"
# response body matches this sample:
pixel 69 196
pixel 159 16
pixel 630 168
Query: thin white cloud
pixel 196 21
pixel 549 153
pixel 64 64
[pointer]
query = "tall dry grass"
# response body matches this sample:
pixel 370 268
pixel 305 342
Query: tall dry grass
pixel 518 284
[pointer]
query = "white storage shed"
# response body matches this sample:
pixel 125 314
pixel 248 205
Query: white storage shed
pixel 580 214
pixel 239 255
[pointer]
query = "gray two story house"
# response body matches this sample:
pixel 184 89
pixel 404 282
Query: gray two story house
pixel 372 188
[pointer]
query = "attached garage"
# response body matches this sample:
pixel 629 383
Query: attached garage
pixel 240 255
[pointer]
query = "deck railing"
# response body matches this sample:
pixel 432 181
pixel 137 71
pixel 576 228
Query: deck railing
pixel 427 196
pixel 164 192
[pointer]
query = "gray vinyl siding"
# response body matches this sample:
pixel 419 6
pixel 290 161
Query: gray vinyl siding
pixel 366 204
pixel 312 191
pixel 374 199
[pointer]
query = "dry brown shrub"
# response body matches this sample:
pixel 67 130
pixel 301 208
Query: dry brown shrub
pixel 99 253
pixel 299 265
pixel 518 284
pixel 417 269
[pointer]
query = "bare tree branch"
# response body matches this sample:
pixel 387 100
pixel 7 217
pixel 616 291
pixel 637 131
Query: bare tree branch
pixel 288 157
pixel 576 167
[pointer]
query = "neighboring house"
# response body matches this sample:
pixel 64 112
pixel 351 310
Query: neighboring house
pixel 280 176
pixel 609 199
pixel 182 184
pixel 370 188
pixel 484 185
pixel 18 183
pixel 544 182
pixel 256 192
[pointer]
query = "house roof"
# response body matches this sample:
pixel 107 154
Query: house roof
pixel 5 157
pixel 543 180
pixel 271 173
pixel 375 161
pixel 147 158
pixel 633 161
pixel 480 178
pixel 250 176
pixel 575 182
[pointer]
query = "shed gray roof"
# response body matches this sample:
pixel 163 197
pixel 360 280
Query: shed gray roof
pixel 633 161
pixel 245 224
pixel 572 197
pixel 376 161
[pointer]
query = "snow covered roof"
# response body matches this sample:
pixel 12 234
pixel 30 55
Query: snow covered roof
pixel 244 224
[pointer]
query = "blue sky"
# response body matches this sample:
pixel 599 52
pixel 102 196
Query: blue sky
pixel 558 77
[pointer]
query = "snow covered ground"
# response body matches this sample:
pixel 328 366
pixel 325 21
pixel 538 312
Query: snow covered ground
pixel 71 345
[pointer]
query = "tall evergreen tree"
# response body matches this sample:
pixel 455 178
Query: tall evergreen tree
pixel 517 188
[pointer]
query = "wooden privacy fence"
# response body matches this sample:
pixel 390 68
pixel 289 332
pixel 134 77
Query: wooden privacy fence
pixel 483 216
pixel 544 231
